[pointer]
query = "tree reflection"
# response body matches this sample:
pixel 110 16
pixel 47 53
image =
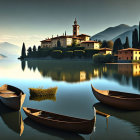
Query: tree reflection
pixel 78 71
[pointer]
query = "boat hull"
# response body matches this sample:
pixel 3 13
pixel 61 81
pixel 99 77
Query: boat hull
pixel 14 103
pixel 12 97
pixel 121 103
pixel 78 127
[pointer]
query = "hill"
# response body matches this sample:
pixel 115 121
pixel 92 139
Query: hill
pixel 9 49
pixel 127 34
pixel 111 32
pixel 2 56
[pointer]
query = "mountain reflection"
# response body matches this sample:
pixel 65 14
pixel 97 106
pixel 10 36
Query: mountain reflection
pixel 12 119
pixel 129 116
pixel 78 71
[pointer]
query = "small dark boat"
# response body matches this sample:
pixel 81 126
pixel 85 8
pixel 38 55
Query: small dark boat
pixel 12 96
pixel 122 100
pixel 60 121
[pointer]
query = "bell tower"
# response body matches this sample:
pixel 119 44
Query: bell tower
pixel 75 28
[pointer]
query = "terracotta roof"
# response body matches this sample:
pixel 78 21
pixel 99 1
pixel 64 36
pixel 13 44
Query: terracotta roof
pixel 90 41
pixel 130 49
pixel 105 49
pixel 83 35
pixel 47 40
pixel 63 36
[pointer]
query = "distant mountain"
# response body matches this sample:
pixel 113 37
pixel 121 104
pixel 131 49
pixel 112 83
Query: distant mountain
pixel 2 56
pixel 127 34
pixel 111 32
pixel 8 49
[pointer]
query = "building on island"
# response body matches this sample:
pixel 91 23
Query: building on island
pixel 90 44
pixel 128 54
pixel 68 40
pixel 105 51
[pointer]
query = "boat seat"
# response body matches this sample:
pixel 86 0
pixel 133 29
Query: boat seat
pixel 37 113
pixel 6 92
pixel 8 95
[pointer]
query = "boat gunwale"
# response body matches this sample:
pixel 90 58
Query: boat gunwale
pixel 117 97
pixel 60 121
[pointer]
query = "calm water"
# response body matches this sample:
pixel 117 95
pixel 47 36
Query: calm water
pixel 74 98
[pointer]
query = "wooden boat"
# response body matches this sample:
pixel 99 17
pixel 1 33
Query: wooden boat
pixel 60 121
pixel 57 133
pixel 12 96
pixel 43 92
pixel 122 100
pixel 12 119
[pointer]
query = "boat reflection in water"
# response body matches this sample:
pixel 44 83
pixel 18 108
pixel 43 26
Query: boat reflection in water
pixel 53 132
pixel 41 98
pixel 12 119
pixel 130 116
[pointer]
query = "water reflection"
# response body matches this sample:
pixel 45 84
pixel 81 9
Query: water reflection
pixel 78 71
pixel 130 116
pixel 42 98
pixel 12 119
pixel 23 65
pixel 53 132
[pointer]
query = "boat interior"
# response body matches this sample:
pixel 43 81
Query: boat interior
pixel 9 91
pixel 117 94
pixel 53 116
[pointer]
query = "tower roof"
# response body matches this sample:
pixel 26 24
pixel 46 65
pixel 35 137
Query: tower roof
pixel 75 22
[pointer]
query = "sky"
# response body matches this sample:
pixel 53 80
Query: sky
pixel 31 21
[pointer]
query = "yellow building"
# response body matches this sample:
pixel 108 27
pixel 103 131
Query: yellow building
pixel 90 44
pixel 105 51
pixel 68 40
pixel 129 54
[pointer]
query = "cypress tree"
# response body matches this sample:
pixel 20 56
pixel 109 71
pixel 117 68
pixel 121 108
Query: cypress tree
pixel 39 47
pixel 117 46
pixel 104 44
pixel 58 43
pixel 126 45
pixel 34 48
pixel 135 42
pixel 23 51
pixel 139 36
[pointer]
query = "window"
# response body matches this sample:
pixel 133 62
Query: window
pixel 127 58
pixel 135 52
pixel 136 58
pixel 139 52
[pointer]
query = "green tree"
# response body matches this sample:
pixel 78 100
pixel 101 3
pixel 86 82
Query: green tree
pixel 104 44
pixel 39 47
pixel 139 36
pixel 110 44
pixel 126 44
pixel 117 46
pixel 34 48
pixel 23 51
pixel 135 42
pixel 58 43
